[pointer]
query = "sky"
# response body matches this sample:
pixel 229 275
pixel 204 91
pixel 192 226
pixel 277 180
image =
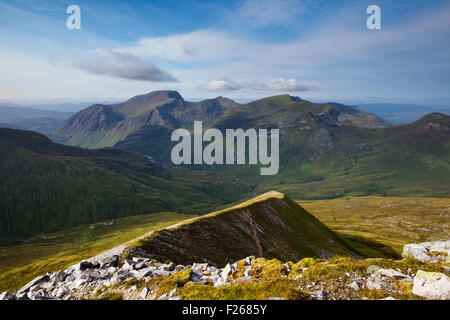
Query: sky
pixel 244 49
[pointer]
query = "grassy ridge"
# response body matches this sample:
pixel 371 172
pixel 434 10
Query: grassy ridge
pixel 270 225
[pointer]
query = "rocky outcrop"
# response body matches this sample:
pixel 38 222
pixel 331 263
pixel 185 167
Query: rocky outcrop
pixel 132 278
pixel 435 251
pixel 432 285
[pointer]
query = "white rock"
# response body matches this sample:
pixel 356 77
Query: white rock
pixel 128 264
pixel 144 293
pixel 374 283
pixel 319 295
pixel 34 282
pixel 355 285
pixel 7 296
pixel 200 266
pixel 391 273
pixel 420 251
pixel 247 270
pixel 416 251
pixel 226 271
pixel 432 285
pixel 388 298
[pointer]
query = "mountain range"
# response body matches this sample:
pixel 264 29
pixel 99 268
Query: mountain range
pixel 326 150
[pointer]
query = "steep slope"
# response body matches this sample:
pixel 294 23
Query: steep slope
pixel 106 125
pixel 45 186
pixel 270 226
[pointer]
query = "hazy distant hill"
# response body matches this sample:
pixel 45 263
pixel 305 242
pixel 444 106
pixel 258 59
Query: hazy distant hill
pixel 8 113
pixel 401 113
pixel 40 125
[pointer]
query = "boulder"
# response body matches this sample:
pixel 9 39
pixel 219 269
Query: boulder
pixel 373 283
pixel 431 285
pixel 7 296
pixel 422 251
pixel 36 281
pixel 355 285
pixel 391 273
pixel 200 266
pixel 60 276
pixel 84 265
pixel 319 295
pixel 416 251
pixel 129 264
pixel 224 274
pixel 111 261
pixel 144 293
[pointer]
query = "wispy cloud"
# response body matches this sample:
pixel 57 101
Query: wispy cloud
pixel 124 65
pixel 279 85
pixel 221 86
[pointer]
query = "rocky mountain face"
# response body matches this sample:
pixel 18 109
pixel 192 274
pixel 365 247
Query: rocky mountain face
pixel 106 125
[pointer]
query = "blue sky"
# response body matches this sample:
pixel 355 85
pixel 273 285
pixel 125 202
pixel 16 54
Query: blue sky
pixel 320 50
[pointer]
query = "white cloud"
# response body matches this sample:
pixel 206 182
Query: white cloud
pixel 221 86
pixel 280 84
pixel 339 59
pixel 124 65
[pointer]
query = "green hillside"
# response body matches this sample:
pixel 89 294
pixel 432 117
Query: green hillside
pixel 46 186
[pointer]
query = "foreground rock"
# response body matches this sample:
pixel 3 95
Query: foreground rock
pixel 112 277
pixel 432 285
pixel 434 252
